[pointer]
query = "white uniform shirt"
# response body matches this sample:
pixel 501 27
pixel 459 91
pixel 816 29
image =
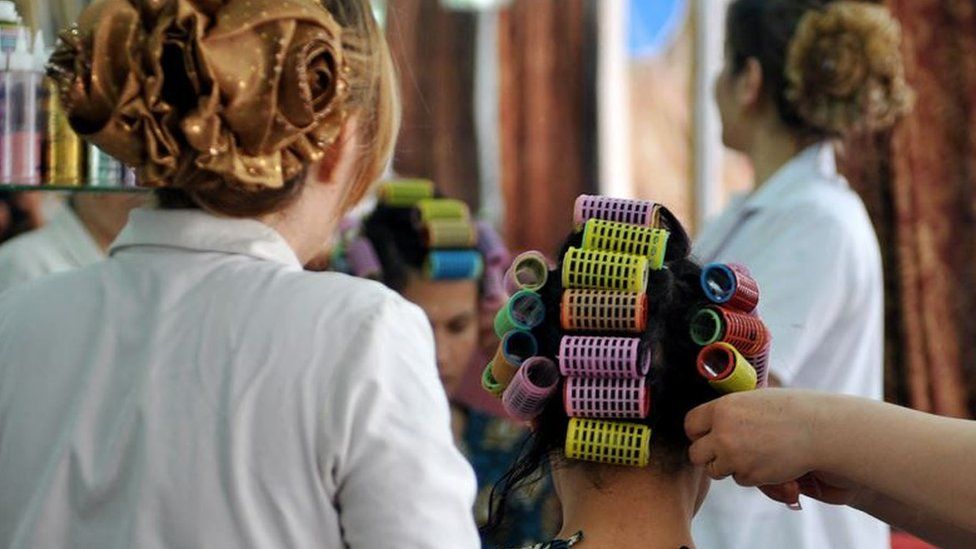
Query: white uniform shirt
pixel 198 389
pixel 61 245
pixel 807 239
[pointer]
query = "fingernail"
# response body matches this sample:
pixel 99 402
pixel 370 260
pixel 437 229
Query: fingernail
pixel 795 506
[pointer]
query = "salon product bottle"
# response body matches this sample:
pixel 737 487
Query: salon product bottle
pixel 10 25
pixel 22 143
pixel 103 170
pixel 63 158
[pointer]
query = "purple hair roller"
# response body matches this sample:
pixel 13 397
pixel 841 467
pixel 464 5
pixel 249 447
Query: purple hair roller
pixel 493 288
pixel 603 357
pixel 362 258
pixel 634 212
pixel 534 383
pixel 491 246
pixel 347 224
pixel 595 398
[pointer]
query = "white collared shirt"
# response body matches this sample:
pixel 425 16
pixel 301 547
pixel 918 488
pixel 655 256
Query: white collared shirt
pixel 61 245
pixel 809 243
pixel 199 389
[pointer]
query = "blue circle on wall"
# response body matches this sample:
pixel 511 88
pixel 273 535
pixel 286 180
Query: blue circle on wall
pixel 655 25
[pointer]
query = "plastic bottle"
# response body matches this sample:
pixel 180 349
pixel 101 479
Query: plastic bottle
pixel 22 142
pixel 63 157
pixel 103 170
pixel 10 25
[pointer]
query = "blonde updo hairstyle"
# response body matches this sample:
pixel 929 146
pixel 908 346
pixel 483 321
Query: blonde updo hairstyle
pixel 831 68
pixel 224 105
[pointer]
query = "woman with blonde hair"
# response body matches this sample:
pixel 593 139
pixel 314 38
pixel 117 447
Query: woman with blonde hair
pixel 800 74
pixel 199 389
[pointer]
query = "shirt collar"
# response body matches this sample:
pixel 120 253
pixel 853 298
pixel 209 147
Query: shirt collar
pixel 200 231
pixel 817 163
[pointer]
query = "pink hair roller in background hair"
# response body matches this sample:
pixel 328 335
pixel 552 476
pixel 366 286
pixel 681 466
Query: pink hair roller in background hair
pixel 491 246
pixel 596 398
pixel 635 212
pixel 362 258
pixel 603 357
pixel 730 285
pixel 533 385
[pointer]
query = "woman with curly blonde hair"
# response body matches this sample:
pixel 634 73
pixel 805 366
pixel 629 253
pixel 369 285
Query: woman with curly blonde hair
pixel 800 75
pixel 199 388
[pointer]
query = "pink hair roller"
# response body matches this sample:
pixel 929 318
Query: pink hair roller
pixel 494 295
pixel 531 388
pixel 603 357
pixel 635 212
pixel 603 311
pixel 491 246
pixel 761 363
pixel 362 258
pixel 730 285
pixel 529 271
pixel 596 398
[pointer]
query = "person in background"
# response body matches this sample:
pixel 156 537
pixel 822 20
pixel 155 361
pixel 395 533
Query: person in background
pixel 455 309
pixel 199 388
pixel 843 452
pixel 799 74
pixel 20 213
pixel 79 234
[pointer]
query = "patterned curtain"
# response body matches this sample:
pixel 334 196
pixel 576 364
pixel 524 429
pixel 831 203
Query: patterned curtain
pixel 920 186
pixel 548 116
pixel 434 50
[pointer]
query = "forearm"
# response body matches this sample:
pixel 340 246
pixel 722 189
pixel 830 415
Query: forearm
pixel 922 460
pixel 910 519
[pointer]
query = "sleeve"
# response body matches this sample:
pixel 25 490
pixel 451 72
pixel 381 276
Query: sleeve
pixel 17 267
pixel 400 480
pixel 802 276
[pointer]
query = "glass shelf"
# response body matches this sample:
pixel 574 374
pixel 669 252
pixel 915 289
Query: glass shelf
pixel 71 189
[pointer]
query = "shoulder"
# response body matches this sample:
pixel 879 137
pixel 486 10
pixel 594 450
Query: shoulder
pixel 28 255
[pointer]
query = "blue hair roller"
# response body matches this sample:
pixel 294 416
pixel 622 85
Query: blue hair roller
pixel 454 265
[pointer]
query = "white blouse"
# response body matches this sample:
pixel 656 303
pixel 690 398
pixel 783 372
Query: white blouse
pixel 199 389
pixel 61 245
pixel 809 243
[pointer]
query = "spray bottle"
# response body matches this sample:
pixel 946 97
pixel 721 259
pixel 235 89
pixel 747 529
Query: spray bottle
pixel 22 143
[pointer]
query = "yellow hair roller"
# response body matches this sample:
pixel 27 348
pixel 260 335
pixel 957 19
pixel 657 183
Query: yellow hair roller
pixel 429 209
pixel 610 442
pixel 450 233
pixel 610 236
pixel 405 193
pixel 588 269
pixel 726 369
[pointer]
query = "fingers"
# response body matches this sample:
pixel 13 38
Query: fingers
pixel 702 452
pixel 786 492
pixel 698 422
pixel 719 469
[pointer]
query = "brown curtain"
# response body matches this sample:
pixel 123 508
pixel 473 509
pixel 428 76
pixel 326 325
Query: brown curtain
pixel 920 186
pixel 548 116
pixel 434 50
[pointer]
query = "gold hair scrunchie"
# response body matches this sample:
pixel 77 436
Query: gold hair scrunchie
pixel 197 93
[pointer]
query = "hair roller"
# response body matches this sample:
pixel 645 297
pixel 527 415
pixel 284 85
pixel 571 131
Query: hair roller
pixel 603 311
pixel 491 246
pixel 489 383
pixel 586 269
pixel 440 208
pixel 730 285
pixel 449 233
pixel 603 357
pixel 515 348
pixel 533 385
pixel 726 369
pixel 761 364
pixel 635 212
pixel 529 271
pixel 713 324
pixel 405 193
pixel 610 236
pixel 524 311
pixel 362 259
pixel 610 442
pixel 453 265
pixel 607 398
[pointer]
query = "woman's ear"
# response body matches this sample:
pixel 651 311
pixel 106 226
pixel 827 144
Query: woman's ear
pixel 749 85
pixel 339 164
